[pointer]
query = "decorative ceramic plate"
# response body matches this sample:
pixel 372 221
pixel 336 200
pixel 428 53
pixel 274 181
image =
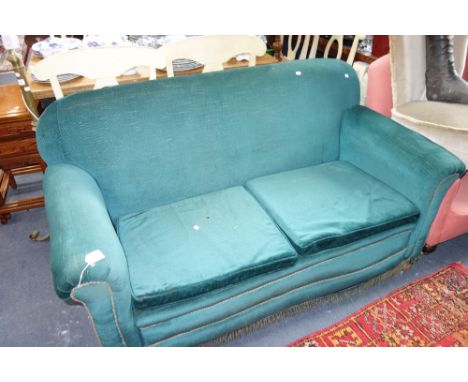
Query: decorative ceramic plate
pixel 99 41
pixel 54 45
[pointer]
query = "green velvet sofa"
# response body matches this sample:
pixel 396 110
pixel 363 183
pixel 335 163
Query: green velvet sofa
pixel 224 198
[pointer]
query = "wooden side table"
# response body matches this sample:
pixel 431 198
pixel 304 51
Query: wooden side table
pixel 18 150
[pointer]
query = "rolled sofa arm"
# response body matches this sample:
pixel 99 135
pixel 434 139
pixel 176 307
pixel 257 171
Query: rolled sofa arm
pixel 403 159
pixel 79 223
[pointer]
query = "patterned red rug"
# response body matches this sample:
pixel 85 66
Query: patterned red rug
pixel 432 311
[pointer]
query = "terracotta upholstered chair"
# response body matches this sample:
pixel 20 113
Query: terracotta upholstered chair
pixel 397 88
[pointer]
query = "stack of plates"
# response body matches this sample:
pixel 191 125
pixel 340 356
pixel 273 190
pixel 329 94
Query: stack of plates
pixel 61 78
pixel 156 41
pixel 54 45
pixel 182 64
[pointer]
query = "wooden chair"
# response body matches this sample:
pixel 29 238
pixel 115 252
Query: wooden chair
pixel 306 46
pixel 103 65
pixel 212 51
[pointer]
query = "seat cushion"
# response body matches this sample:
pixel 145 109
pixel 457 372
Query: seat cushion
pixel 442 122
pixel 199 244
pixel 330 205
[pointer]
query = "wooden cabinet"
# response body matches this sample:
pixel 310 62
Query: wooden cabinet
pixel 18 150
pixel 17 139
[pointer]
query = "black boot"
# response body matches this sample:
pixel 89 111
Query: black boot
pixel 442 80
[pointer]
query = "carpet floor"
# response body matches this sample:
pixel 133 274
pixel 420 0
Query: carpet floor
pixel 32 315
pixel 432 311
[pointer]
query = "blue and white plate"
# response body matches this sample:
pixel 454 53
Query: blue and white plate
pixel 99 41
pixel 54 45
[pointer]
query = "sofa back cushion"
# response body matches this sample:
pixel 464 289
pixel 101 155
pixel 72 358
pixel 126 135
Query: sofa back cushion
pixel 156 142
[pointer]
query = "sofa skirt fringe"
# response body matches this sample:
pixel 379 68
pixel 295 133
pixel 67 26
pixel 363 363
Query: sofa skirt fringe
pixel 304 306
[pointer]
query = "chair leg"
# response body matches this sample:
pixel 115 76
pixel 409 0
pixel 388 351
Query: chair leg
pixel 12 181
pixel 4 218
pixel 427 249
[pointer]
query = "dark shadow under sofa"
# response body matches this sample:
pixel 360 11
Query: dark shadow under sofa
pixel 221 199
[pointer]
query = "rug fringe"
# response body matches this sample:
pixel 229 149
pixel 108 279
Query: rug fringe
pixel 307 305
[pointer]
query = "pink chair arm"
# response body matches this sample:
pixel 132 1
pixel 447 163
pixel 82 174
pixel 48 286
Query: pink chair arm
pixel 379 86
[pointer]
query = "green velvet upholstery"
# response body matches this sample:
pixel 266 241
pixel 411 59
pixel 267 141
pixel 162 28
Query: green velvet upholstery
pixel 134 156
pixel 177 135
pixel 199 244
pixel 408 162
pixel 330 204
pixel 79 224
pixel 98 298
pixel 197 320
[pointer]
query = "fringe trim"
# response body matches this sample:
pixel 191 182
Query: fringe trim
pixel 307 305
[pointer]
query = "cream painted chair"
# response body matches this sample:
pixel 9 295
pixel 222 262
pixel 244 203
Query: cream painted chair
pixel 103 65
pixel 303 42
pixel 443 123
pixel 212 51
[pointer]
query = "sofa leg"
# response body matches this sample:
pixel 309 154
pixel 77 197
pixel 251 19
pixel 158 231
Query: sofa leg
pixel 72 302
pixel 4 218
pixel 413 260
pixel 427 249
